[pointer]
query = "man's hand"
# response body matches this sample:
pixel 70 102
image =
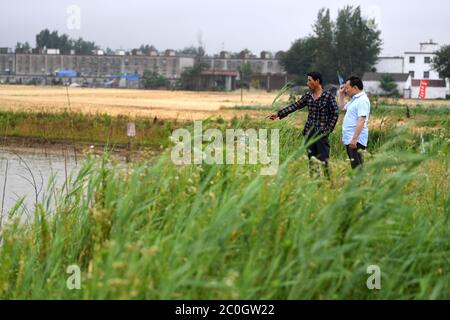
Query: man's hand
pixel 342 90
pixel 359 127
pixel 341 97
pixel 272 116
pixel 353 144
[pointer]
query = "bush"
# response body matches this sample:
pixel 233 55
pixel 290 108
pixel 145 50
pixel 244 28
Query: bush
pixel 153 80
pixel 389 86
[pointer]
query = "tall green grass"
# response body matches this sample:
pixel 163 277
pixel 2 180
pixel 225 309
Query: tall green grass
pixel 160 231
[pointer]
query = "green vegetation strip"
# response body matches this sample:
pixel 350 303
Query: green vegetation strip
pixel 79 127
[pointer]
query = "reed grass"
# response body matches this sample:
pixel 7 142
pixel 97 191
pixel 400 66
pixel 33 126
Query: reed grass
pixel 160 231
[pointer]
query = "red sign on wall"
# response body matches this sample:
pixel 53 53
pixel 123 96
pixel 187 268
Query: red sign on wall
pixel 423 89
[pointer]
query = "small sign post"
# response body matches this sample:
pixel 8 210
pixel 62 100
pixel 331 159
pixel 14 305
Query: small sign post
pixel 131 133
pixel 131 130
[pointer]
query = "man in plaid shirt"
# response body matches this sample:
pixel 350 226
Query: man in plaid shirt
pixel 323 114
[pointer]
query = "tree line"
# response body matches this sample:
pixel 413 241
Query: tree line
pixel 349 45
pixel 47 39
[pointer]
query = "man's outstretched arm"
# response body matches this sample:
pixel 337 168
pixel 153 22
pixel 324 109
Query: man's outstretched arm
pixel 283 113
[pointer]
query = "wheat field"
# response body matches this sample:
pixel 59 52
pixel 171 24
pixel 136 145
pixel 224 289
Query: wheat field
pixel 164 104
pixel 182 105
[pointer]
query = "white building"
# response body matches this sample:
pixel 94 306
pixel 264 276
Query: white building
pixel 419 64
pixel 372 82
pixel 390 65
pixel 52 51
pixel 436 89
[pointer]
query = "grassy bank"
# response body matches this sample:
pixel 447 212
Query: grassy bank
pixel 224 232
pixel 46 127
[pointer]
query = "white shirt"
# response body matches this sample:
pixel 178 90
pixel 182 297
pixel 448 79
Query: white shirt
pixel 358 106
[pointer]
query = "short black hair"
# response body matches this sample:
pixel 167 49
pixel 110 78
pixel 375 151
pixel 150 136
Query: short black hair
pixel 356 82
pixel 316 76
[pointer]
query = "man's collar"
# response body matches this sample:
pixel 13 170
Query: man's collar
pixel 312 93
pixel 356 96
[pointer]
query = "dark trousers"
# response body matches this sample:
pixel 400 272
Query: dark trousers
pixel 321 151
pixel 355 155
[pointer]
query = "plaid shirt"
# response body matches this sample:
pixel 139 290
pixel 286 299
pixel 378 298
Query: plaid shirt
pixel 323 113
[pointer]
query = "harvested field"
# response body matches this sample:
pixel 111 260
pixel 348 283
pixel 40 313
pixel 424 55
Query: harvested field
pixel 182 105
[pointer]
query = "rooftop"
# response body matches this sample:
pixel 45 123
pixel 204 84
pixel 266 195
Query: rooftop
pixel 374 76
pixel 431 83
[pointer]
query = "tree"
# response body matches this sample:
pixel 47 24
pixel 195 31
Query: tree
pixel 53 41
pixel 298 60
pixel 65 44
pixel 245 73
pixel 358 42
pixel 47 39
pixel 441 62
pixel 195 51
pixel 43 38
pixel 84 47
pixel 325 52
pixel 191 77
pixel 153 80
pixel 350 45
pixel 22 47
pixel 147 48
pixel 388 85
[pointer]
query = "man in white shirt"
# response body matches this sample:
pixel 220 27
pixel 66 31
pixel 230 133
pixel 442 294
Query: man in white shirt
pixel 355 133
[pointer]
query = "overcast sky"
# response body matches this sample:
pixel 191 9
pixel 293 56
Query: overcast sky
pixel 230 25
